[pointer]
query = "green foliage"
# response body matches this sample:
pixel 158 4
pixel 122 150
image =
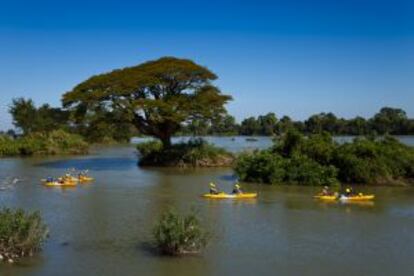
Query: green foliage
pixel 225 125
pixel 261 167
pixel 147 148
pixel 158 97
pixel 177 235
pixel 268 167
pixel 318 160
pixel 195 153
pixel 263 125
pixel 31 119
pixel 302 170
pixel 21 233
pixel 8 146
pixel 387 120
pixel 54 142
pixel 374 161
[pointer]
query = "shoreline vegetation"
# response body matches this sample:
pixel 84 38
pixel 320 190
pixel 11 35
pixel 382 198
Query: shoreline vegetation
pixel 320 161
pixel 42 143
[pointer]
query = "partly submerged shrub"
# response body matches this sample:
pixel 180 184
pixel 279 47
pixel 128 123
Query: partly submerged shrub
pixel 318 160
pixel 194 153
pixel 176 235
pixel 268 167
pixel 261 166
pixel 21 233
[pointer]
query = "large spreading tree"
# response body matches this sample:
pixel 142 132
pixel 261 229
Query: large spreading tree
pixel 158 97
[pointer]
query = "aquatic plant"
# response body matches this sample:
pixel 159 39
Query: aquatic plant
pixel 21 233
pixel 176 235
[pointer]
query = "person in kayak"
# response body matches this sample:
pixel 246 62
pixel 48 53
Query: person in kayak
pixel 349 191
pixel 236 189
pixel 325 191
pixel 213 189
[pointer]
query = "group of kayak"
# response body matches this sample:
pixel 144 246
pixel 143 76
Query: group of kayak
pixel 326 194
pixel 68 180
pixel 348 195
pixel 237 193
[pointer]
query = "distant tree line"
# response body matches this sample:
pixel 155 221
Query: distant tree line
pixel 101 125
pixel 393 121
pixel 97 126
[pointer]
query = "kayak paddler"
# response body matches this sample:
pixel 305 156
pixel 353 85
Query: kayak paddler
pixel 325 191
pixel 213 189
pixel 348 191
pixel 237 189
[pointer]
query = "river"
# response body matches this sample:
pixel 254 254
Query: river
pixel 103 228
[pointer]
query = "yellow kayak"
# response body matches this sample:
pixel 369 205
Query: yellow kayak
pixel 230 196
pixel 85 179
pixel 325 197
pixel 71 179
pixel 59 184
pixel 357 197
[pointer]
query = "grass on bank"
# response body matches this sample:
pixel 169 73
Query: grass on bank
pixel 319 160
pixel 21 233
pixel 194 153
pixel 54 142
pixel 176 234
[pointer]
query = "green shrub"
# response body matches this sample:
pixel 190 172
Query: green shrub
pixel 146 148
pixel 318 160
pixel 21 233
pixel 267 167
pixel 8 146
pixel 194 153
pixel 261 167
pixel 374 161
pixel 303 170
pixel 177 235
pixel 39 143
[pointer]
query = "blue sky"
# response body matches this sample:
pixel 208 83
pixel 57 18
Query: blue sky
pixel 289 57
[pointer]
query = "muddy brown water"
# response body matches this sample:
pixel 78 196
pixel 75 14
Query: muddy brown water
pixel 104 228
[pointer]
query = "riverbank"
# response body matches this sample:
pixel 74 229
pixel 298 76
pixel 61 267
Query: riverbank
pixel 52 143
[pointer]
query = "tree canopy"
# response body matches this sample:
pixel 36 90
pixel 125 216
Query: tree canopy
pixel 30 119
pixel 156 96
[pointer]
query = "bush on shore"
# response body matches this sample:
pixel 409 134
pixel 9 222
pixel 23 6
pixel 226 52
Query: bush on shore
pixel 177 235
pixel 319 160
pixel 39 143
pixel 195 153
pixel 21 233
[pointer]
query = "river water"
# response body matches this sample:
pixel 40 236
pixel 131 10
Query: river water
pixel 103 228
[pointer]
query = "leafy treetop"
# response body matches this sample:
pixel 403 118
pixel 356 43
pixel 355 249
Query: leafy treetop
pixel 158 96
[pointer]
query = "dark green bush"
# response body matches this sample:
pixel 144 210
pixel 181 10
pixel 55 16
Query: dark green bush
pixel 318 160
pixel 195 153
pixel 261 166
pixel 303 170
pixel 177 235
pixel 21 233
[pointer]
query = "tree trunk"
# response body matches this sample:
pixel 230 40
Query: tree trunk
pixel 166 141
